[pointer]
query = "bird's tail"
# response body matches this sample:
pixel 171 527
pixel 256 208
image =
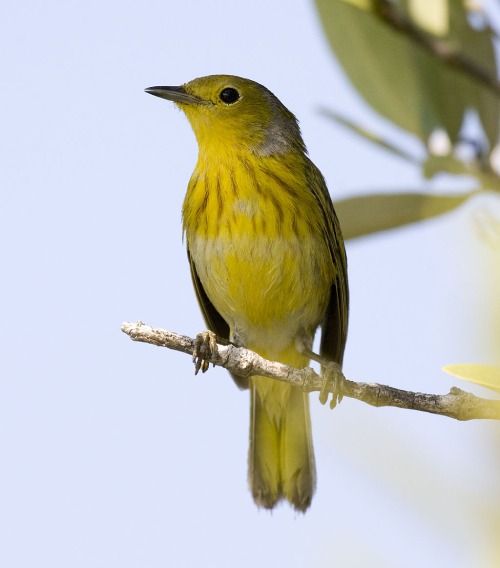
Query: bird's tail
pixel 281 457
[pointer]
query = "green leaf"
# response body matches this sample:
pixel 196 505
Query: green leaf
pixel 476 45
pixel 403 81
pixel 434 165
pixel 370 136
pixel 485 375
pixel 437 164
pixel 367 214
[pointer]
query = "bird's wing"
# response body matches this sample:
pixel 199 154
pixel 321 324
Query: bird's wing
pixel 334 327
pixel 213 319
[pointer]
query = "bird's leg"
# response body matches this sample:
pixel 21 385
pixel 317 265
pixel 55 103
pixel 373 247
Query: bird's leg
pixel 205 347
pixel 333 377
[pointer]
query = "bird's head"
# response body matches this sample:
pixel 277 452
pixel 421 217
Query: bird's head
pixel 231 112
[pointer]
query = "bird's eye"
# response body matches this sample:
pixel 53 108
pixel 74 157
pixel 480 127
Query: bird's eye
pixel 229 95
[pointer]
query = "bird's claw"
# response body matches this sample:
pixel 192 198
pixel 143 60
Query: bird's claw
pixel 205 347
pixel 334 378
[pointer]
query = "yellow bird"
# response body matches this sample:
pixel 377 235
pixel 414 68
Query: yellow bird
pixel 267 260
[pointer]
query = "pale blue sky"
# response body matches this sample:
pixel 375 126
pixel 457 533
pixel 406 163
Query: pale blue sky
pixel 113 453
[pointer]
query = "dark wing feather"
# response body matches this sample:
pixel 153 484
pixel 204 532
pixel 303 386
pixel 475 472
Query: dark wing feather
pixel 334 327
pixel 213 319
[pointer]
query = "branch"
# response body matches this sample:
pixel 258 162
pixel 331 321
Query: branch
pixel 394 18
pixel 456 404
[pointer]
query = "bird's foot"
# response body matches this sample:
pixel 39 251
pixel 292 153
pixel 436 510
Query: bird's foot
pixel 333 382
pixel 205 347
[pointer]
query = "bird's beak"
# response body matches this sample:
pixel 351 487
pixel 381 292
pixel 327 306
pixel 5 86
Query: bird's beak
pixel 176 94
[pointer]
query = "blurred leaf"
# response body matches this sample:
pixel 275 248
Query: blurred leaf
pixel 450 164
pixel 488 228
pixel 370 136
pixel 437 164
pixel 368 214
pixel 477 46
pixel 363 4
pixel 485 375
pixel 431 15
pixel 401 80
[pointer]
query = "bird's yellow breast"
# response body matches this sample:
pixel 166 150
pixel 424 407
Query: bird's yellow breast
pixel 254 234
